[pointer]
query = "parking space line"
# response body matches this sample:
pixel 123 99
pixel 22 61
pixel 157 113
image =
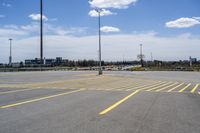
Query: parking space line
pixel 166 87
pixel 39 99
pixel 194 89
pixel 118 103
pixel 7 92
pixel 185 87
pixel 175 87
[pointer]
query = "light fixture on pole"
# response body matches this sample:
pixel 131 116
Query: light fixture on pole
pixel 10 57
pixel 99 22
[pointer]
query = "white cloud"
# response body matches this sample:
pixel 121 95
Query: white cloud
pixel 198 18
pixel 52 19
pixel 113 47
pixel 60 41
pixel 2 16
pixel 34 29
pixel 119 4
pixel 58 30
pixel 104 12
pixel 11 26
pixel 4 32
pixel 6 5
pixel 36 17
pixel 183 22
pixel 31 28
pixel 108 29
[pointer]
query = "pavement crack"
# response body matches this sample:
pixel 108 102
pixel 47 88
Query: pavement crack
pixel 146 114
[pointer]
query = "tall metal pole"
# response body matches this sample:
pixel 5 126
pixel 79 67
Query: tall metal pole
pixel 100 67
pixel 41 33
pixel 10 57
pixel 141 55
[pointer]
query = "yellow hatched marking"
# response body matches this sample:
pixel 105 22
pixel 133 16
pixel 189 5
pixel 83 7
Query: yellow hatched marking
pixel 159 86
pixel 185 87
pixel 166 87
pixel 175 87
pixel 136 84
pixel 118 84
pixel 151 86
pixel 146 86
pixel 194 89
pixel 126 86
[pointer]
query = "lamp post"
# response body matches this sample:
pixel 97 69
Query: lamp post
pixel 41 33
pixel 10 57
pixel 99 22
pixel 141 55
pixel 151 57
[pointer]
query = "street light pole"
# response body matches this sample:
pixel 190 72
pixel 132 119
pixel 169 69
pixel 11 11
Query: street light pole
pixel 41 33
pixel 151 57
pixel 141 55
pixel 10 57
pixel 99 20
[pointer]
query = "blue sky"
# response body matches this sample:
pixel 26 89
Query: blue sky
pixel 151 22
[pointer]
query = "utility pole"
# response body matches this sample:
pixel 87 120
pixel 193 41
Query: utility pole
pixel 99 22
pixel 151 57
pixel 123 59
pixel 141 60
pixel 10 57
pixel 190 61
pixel 41 33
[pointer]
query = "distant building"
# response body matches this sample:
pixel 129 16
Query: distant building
pixel 17 64
pixel 52 62
pixel 59 60
pixel 192 60
pixel 32 61
pixel 2 65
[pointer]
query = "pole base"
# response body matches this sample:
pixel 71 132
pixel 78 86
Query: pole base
pixel 100 72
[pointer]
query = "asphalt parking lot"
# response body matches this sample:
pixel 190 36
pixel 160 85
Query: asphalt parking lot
pixel 117 102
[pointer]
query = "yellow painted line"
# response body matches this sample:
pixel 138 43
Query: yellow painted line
pixel 118 103
pixel 199 93
pixel 194 89
pixel 175 87
pixel 7 92
pixel 38 99
pixel 166 87
pixel 159 86
pixel 185 87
